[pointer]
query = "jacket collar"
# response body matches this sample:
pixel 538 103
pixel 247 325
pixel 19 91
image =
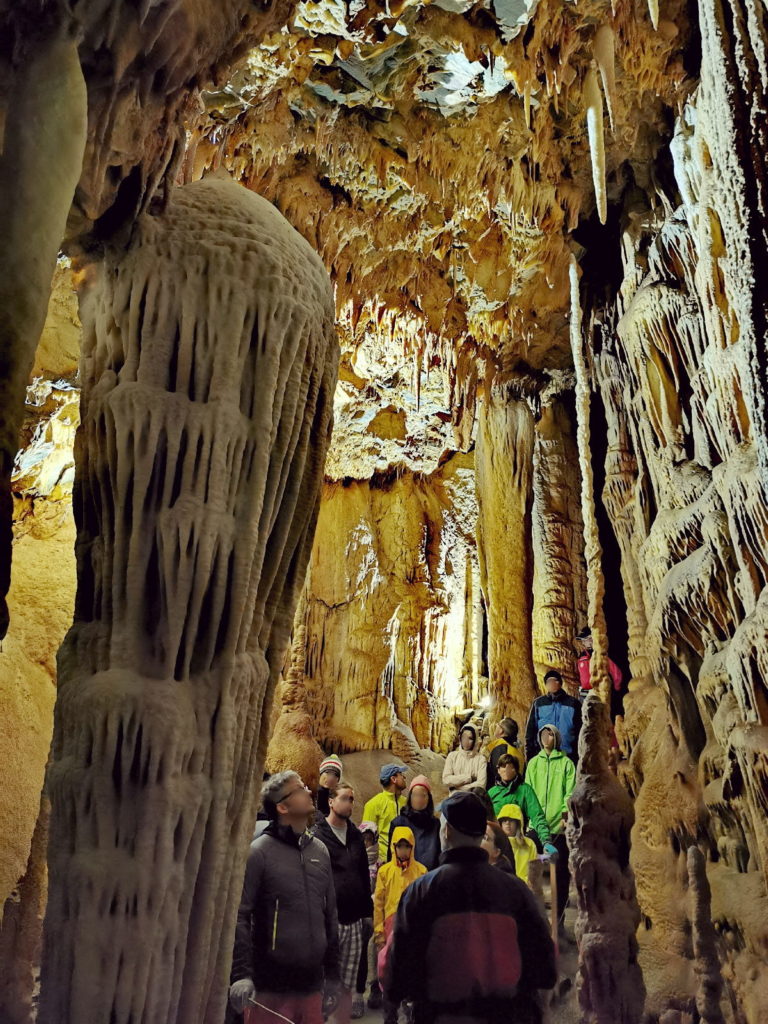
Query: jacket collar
pixel 286 835
pixel 464 855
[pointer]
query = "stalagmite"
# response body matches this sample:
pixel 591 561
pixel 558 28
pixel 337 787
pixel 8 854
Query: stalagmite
pixel 604 58
pixel 39 170
pixel 707 962
pixel 609 982
pixel 593 553
pixel 593 103
pixel 208 365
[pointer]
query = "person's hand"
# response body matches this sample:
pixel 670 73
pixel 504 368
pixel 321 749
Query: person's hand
pixel 330 998
pixel 241 993
pixel 551 852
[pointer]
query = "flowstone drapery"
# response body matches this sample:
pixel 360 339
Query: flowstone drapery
pixel 208 365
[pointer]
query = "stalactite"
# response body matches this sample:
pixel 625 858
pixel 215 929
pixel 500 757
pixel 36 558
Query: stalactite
pixel 208 369
pixel 593 102
pixel 592 548
pixel 653 10
pixel 604 58
pixel 39 170
pixel 706 962
pixel 609 981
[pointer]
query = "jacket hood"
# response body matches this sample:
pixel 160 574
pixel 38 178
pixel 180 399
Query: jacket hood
pixel 399 833
pixel 473 730
pixel 558 737
pixel 512 811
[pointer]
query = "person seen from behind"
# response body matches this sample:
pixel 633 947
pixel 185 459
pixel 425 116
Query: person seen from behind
pixel 465 766
pixel 469 943
pixel 393 879
pixel 286 956
pixel 419 815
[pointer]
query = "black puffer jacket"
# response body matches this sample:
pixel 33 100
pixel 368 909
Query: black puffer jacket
pixel 286 937
pixel 351 876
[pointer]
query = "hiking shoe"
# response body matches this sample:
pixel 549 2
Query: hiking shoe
pixel 375 999
pixel 358 1006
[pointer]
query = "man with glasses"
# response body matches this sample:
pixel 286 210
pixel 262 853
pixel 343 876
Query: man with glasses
pixel 286 957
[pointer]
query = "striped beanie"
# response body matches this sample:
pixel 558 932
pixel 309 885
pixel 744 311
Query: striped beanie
pixel 332 763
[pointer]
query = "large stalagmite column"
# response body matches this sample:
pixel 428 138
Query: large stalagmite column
pixel 208 367
pixel 559 583
pixel 503 461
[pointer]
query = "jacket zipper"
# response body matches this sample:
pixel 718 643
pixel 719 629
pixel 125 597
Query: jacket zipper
pixel 274 925
pixel 306 894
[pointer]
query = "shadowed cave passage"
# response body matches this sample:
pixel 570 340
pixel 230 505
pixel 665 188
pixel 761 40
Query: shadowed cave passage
pixel 353 358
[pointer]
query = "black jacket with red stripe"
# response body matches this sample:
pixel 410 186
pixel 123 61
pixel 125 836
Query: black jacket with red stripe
pixel 470 941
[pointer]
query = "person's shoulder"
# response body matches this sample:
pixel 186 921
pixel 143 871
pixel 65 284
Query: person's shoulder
pixel 316 846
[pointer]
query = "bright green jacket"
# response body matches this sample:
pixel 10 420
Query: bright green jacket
pixel 552 779
pixel 518 792
pixel 383 809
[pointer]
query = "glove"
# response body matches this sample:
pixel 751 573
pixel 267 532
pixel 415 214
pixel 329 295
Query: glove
pixel 240 994
pixel 330 999
pixel 551 851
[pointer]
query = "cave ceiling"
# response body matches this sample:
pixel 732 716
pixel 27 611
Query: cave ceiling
pixel 437 156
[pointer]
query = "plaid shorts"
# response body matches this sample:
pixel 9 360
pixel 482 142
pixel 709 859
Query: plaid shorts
pixel 350 951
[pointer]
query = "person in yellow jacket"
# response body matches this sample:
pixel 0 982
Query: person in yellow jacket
pixel 512 822
pixel 393 879
pixel 504 742
pixel 385 806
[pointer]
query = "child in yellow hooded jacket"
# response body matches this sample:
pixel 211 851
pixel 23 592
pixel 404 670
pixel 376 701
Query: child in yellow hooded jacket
pixel 393 879
pixel 512 822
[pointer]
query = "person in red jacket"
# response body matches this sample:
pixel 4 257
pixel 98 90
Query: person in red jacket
pixel 469 943
pixel 586 644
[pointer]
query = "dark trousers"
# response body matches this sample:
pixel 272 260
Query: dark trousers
pixel 562 873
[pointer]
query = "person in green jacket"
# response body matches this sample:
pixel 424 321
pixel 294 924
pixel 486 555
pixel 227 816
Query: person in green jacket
pixel 552 777
pixel 385 806
pixel 513 790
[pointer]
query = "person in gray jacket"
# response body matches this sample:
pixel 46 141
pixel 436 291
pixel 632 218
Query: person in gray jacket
pixel 286 956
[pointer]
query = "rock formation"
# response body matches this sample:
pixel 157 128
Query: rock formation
pixel 609 981
pixel 208 364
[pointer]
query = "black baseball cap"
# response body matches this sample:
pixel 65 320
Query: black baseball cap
pixel 464 812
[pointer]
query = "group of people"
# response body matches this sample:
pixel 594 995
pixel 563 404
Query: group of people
pixel 324 905
pixel 430 909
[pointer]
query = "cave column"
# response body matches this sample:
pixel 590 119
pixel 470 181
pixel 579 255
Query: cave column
pixel 504 471
pixel 559 583
pixel 208 367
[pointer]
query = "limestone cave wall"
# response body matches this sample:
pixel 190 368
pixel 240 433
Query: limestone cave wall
pixel 675 367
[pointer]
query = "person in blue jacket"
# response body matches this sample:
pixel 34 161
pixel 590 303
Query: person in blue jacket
pixel 557 708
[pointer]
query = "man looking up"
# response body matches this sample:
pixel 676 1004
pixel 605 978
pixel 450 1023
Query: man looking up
pixel 386 805
pixel 351 878
pixel 469 942
pixel 557 708
pixel 286 938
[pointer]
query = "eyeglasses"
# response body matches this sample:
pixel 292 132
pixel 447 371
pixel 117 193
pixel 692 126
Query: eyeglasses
pixel 293 792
